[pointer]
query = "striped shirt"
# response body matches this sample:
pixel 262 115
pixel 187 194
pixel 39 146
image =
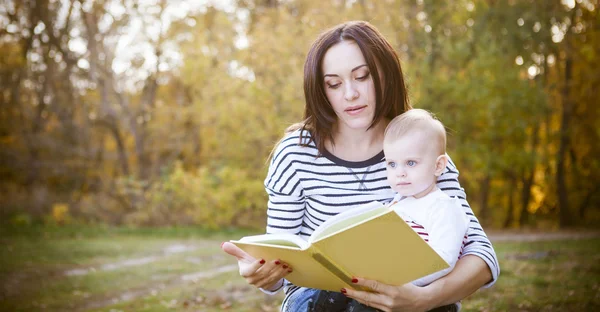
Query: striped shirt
pixel 305 190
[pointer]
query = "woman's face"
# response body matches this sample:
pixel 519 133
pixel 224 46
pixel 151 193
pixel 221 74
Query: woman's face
pixel 349 86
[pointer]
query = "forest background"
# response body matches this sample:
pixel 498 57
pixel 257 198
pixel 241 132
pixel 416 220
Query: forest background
pixel 163 113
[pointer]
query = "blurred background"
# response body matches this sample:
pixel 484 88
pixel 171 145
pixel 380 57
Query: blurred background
pixel 164 112
pixel 118 114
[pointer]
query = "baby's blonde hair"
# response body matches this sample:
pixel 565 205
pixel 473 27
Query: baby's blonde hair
pixel 417 119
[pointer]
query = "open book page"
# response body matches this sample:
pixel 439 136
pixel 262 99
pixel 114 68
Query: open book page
pixel 347 219
pixel 278 239
pixel 307 270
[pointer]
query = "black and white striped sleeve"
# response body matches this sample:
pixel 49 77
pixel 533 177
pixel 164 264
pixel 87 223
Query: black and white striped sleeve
pixel 286 204
pixel 477 242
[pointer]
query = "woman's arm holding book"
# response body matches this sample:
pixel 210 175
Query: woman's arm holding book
pixel 468 275
pixel 477 243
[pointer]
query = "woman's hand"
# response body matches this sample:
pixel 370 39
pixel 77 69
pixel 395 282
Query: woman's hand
pixel 469 274
pixel 257 272
pixel 388 298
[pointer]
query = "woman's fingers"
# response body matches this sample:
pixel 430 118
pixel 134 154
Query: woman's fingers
pixel 379 298
pixel 375 286
pixel 257 272
pixel 249 270
pixel 237 252
pixel 407 297
pixel 277 272
pixel 268 273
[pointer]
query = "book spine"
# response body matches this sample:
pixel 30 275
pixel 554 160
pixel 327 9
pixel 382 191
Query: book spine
pixel 338 271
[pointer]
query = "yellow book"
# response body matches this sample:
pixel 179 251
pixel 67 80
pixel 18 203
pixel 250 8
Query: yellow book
pixel 371 241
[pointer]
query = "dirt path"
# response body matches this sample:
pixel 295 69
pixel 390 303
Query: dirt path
pixel 539 236
pixel 132 294
pixel 165 253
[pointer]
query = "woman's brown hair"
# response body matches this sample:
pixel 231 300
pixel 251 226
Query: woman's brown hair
pixel 391 99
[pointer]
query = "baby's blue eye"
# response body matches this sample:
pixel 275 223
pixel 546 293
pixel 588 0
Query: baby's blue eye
pixel 392 164
pixel 411 163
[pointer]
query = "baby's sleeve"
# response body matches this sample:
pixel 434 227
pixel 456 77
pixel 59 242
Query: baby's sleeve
pixel 447 225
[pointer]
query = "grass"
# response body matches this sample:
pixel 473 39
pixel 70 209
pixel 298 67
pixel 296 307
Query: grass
pixel 536 276
pixel 544 276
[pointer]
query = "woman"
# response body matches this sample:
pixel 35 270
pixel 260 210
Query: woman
pixel 333 160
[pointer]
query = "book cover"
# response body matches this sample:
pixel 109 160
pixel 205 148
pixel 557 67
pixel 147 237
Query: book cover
pixel 373 243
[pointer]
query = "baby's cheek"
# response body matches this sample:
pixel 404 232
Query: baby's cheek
pixel 390 177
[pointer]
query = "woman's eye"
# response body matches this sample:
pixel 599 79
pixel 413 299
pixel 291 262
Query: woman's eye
pixel 392 164
pixel 411 163
pixel 333 86
pixel 363 77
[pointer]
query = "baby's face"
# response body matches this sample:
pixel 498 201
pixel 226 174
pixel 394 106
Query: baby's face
pixel 411 163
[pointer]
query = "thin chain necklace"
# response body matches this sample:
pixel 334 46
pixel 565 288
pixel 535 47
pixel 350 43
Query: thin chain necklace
pixel 361 181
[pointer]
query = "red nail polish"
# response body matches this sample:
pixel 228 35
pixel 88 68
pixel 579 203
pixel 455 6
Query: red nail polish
pixel 262 261
pixel 343 290
pixel 277 262
pixel 354 280
pixel 285 266
pixel 222 244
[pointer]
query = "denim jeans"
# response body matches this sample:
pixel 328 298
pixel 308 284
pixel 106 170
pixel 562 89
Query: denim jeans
pixel 314 300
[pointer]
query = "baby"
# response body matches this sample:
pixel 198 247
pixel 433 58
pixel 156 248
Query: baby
pixel 415 153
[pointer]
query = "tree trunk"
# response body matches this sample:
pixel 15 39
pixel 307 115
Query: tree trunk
pixel 586 202
pixel 525 197
pixel 565 218
pixel 511 204
pixel 528 178
pixel 485 195
pixel 102 75
pixel 116 134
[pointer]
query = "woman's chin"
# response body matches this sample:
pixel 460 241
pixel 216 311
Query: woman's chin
pixel 358 126
pixel 358 123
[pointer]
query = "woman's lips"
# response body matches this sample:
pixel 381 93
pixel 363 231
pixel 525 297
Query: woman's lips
pixel 355 110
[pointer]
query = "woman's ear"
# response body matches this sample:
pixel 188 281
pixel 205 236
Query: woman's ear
pixel 440 164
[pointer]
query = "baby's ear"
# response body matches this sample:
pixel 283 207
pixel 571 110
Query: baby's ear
pixel 440 164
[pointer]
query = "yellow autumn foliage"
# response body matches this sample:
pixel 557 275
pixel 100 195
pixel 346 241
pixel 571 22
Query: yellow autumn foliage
pixel 60 213
pixel 208 197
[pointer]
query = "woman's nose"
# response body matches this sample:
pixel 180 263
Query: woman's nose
pixel 351 93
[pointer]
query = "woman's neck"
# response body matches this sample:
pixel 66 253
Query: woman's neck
pixel 357 144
